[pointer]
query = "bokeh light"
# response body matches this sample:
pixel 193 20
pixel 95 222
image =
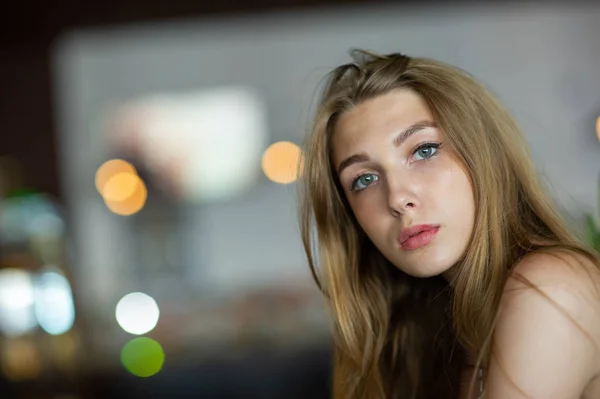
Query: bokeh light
pixel 122 190
pixel 47 225
pixel 137 313
pixel 132 204
pixel 16 302
pixel 120 187
pixel 111 168
pixel 142 357
pixel 598 127
pixel 54 308
pixel 20 360
pixel 30 216
pixel 281 161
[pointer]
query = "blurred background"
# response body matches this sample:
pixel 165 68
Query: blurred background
pixel 148 237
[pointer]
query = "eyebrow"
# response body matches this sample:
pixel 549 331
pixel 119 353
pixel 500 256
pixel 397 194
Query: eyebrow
pixel 398 140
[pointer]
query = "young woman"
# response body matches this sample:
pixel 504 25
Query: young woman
pixel 448 271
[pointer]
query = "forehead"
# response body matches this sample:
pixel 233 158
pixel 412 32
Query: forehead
pixel 385 114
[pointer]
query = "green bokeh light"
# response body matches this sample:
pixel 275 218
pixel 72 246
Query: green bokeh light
pixel 142 357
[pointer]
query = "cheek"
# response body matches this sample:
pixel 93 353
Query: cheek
pixel 459 200
pixel 368 218
pixel 453 179
pixel 452 192
pixel 364 220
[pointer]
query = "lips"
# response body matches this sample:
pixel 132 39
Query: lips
pixel 409 232
pixel 418 236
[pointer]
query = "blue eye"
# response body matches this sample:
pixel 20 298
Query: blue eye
pixel 426 151
pixel 363 181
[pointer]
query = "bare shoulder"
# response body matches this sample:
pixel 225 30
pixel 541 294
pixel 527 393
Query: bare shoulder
pixel 547 333
pixel 561 279
pixel 556 271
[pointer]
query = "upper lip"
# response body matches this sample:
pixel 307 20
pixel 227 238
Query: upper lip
pixel 408 232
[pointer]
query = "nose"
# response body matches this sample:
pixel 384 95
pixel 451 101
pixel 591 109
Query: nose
pixel 401 196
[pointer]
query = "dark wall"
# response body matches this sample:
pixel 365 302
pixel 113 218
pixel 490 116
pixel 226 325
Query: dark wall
pixel 26 126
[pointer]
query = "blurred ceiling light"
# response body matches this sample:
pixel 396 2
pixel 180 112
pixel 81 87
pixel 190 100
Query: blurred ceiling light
pixel 111 168
pixel 281 161
pixel 54 308
pixel 199 146
pixel 137 313
pixel 142 357
pixel 16 302
pixel 132 204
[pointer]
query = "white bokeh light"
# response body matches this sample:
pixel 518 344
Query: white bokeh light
pixel 16 302
pixel 54 308
pixel 137 313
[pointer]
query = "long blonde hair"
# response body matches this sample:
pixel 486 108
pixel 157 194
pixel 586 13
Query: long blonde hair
pixel 396 335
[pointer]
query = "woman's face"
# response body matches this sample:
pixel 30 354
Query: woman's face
pixel 407 190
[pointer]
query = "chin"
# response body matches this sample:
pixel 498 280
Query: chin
pixel 425 267
pixel 425 273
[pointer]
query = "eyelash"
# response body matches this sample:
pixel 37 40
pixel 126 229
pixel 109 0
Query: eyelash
pixel 432 144
pixel 436 145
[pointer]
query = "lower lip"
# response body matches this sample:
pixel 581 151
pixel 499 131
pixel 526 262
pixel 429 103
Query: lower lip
pixel 420 240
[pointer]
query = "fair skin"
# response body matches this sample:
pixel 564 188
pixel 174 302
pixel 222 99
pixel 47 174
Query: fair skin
pixel 540 352
pixel 401 184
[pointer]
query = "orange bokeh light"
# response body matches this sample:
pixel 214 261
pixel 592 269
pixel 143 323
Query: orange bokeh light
pixel 120 187
pixel 111 168
pixel 281 162
pixel 131 204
